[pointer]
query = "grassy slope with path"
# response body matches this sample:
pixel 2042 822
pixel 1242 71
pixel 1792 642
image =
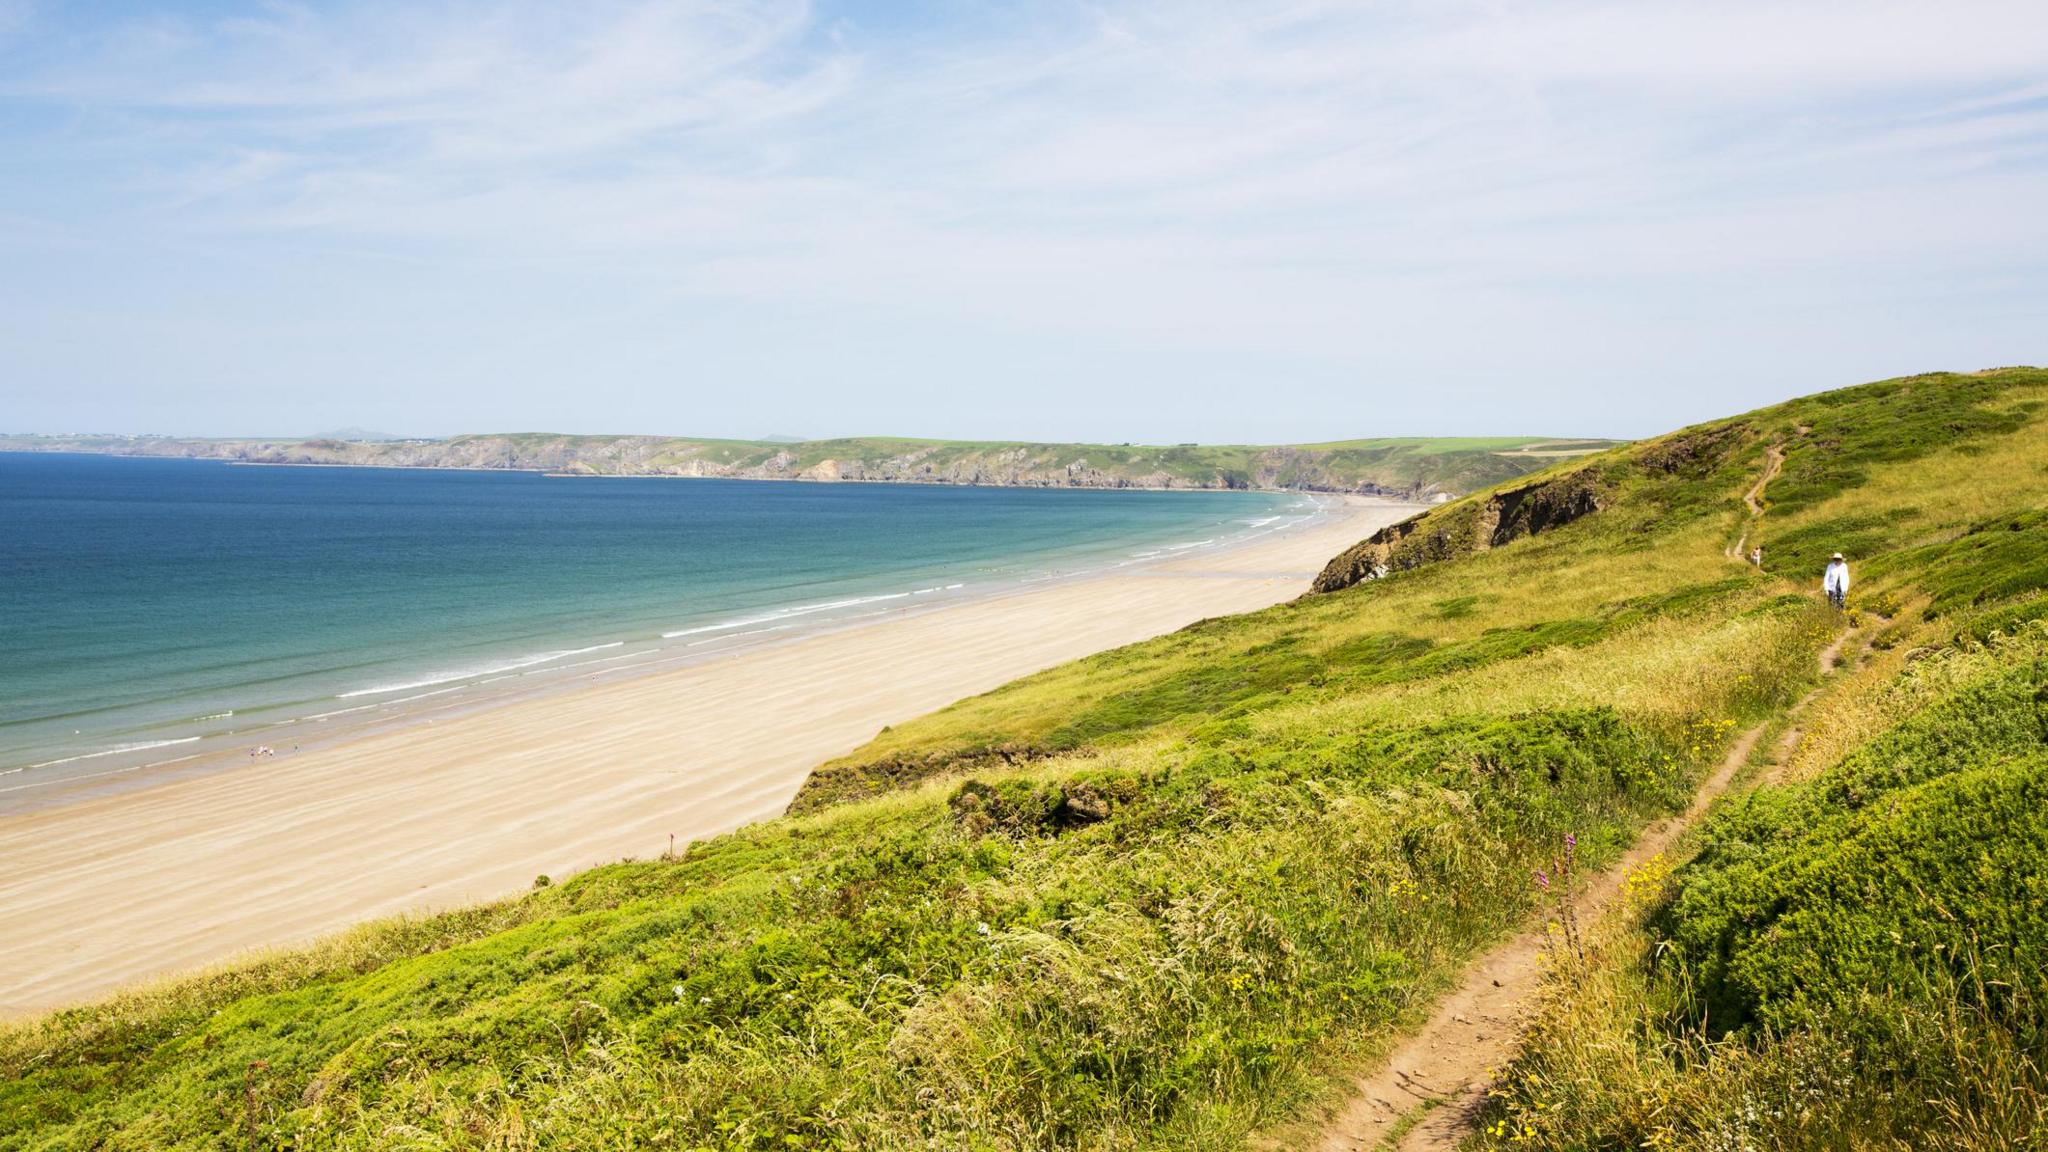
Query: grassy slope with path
pixel 1433 1093
pixel 1170 896
pixel 1848 954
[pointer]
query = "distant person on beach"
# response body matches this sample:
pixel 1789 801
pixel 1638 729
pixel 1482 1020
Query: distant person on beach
pixel 1836 581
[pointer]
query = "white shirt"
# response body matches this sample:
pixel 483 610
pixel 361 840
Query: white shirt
pixel 1836 579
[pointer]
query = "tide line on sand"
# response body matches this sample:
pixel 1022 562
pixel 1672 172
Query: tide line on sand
pixel 473 672
pixel 800 610
pixel 116 750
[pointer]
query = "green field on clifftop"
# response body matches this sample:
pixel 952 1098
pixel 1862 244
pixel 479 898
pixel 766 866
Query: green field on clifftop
pixel 1174 895
pixel 1413 466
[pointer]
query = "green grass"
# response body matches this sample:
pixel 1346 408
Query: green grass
pixel 1849 960
pixel 1851 955
pixel 1172 895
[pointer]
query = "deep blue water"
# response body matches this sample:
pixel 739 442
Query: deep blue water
pixel 141 600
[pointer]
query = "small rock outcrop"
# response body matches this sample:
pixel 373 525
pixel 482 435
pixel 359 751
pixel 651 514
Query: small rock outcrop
pixel 841 783
pixel 1464 528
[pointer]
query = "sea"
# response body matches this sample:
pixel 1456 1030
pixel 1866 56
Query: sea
pixel 154 612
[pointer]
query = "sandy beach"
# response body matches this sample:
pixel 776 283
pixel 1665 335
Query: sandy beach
pixel 110 891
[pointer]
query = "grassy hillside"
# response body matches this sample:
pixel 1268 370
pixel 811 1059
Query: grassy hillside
pixel 1850 955
pixel 1168 896
pixel 1415 467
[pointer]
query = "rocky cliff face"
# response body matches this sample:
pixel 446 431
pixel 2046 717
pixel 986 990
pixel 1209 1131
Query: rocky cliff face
pixel 1007 468
pixel 1462 529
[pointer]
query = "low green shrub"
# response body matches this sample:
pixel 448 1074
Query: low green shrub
pixel 1942 887
pixel 1864 848
pixel 1989 562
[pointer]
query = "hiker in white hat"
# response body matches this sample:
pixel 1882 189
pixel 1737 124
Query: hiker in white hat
pixel 1836 581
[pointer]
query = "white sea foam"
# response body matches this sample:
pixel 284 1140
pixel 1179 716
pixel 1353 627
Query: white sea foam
pixel 588 663
pixel 472 673
pixel 737 635
pixel 421 696
pixel 799 610
pixel 116 750
pixel 336 712
pixel 1170 548
pixel 215 716
pixel 97 775
pixel 787 627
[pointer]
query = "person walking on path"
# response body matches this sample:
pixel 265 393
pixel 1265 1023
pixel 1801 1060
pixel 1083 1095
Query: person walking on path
pixel 1836 581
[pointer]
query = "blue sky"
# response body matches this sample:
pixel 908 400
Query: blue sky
pixel 1106 220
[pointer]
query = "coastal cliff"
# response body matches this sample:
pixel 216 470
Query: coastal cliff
pixel 1487 520
pixel 1474 525
pixel 1410 468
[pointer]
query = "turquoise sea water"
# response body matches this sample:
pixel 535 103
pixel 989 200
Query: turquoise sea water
pixel 152 609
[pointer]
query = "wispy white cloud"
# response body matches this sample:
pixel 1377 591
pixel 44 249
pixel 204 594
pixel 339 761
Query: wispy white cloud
pixel 1350 183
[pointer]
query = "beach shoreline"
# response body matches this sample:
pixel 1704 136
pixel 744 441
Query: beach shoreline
pixel 104 764
pixel 453 806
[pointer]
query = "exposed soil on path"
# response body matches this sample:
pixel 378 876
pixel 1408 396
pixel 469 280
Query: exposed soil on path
pixel 1774 460
pixel 1443 1070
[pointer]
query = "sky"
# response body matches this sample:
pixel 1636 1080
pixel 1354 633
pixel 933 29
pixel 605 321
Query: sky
pixel 1106 221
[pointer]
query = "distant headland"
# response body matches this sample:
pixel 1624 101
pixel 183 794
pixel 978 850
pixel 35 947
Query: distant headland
pixel 1407 467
